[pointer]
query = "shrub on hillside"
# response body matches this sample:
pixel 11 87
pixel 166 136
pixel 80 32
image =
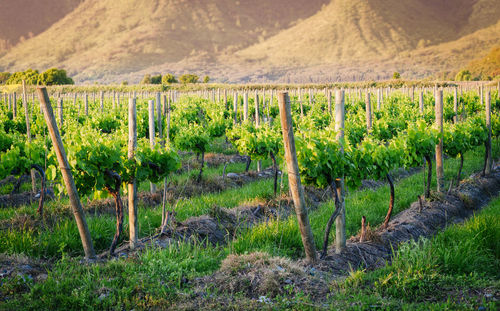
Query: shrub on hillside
pixel 189 78
pixel 168 79
pixel 55 76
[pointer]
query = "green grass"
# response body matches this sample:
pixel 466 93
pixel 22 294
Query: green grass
pixel 441 273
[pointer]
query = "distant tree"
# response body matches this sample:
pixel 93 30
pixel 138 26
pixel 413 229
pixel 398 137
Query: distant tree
pixel 146 79
pixel 189 78
pixel 124 82
pixel 396 75
pixel 168 79
pixel 156 79
pixel 55 76
pixel 206 79
pixel 4 76
pixel 30 76
pixel 463 75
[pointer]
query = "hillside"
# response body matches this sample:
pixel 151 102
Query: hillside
pixel 103 36
pixel 348 31
pixel 486 67
pixel 238 41
pixel 23 19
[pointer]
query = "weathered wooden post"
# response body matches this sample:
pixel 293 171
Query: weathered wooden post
pixel 86 104
pixel 14 105
pixel 421 102
pixel 329 102
pixel 455 105
pixel 245 106
pixel 66 173
pixel 294 178
pixel 439 146
pixel 235 107
pixel 60 110
pixel 257 124
pixel 28 133
pixel 132 185
pixel 489 155
pixel 102 101
pixel 151 111
pixel 368 112
pixel 340 235
pixel 379 99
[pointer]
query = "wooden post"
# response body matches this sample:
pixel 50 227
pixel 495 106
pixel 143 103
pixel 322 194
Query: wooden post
pixel 168 121
pixel 439 146
pixel 329 102
pixel 245 106
pixel 60 112
pixel 28 133
pixel 294 178
pixel 132 186
pixel 379 99
pixel 340 235
pixel 235 107
pixel 66 173
pixel 86 103
pixel 421 102
pixel 114 100
pixel 489 154
pixel 368 112
pixel 455 105
pixel 257 124
pixel 158 117
pixel 151 111
pixel 102 101
pixel 14 105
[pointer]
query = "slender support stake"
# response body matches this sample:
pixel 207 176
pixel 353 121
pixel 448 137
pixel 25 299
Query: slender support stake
pixel 66 173
pixel 294 178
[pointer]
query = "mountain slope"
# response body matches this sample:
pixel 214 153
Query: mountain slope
pixel 348 31
pixel 103 36
pixel 23 19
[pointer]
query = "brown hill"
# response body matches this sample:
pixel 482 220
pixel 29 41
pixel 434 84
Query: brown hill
pixel 348 31
pixel 486 67
pixel 23 19
pixel 108 36
pixel 263 40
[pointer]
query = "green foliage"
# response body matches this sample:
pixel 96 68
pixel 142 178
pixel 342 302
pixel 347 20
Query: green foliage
pixel 156 79
pixel 463 75
pixel 206 79
pixel 4 76
pixel 396 75
pixel 256 142
pixel 30 76
pixel 55 76
pixel 168 79
pixel 418 142
pixel 146 79
pixel 320 157
pixel 188 78
pixel 457 139
pixel 193 137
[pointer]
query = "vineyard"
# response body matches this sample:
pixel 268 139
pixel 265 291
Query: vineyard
pixel 240 198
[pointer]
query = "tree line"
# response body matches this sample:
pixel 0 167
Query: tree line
pixel 52 76
pixel 170 78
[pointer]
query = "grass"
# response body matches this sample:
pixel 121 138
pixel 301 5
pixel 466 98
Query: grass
pixel 441 273
pixel 453 270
